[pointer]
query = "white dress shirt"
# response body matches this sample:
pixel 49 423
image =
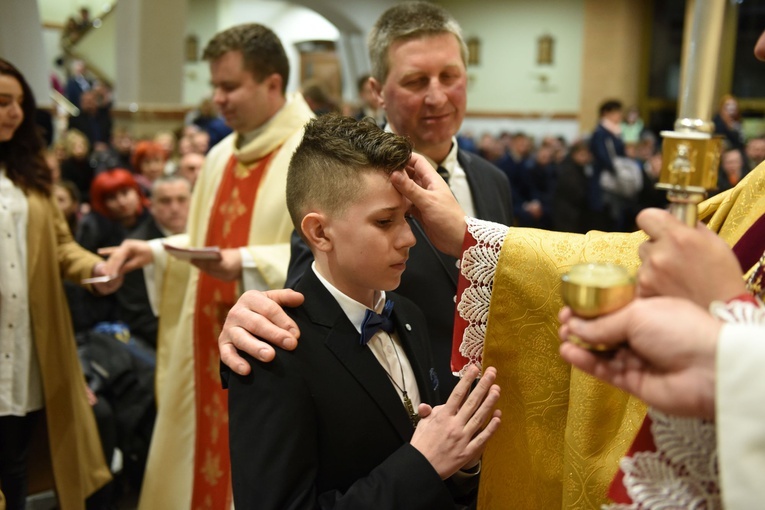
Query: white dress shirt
pixel 20 380
pixel 457 179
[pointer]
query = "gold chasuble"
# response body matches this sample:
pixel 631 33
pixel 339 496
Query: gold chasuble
pixel 229 227
pixel 563 432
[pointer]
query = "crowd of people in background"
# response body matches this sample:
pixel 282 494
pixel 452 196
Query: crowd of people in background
pixel 112 185
pixel 556 183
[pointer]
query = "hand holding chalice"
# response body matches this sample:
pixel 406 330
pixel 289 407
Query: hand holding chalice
pixel 591 290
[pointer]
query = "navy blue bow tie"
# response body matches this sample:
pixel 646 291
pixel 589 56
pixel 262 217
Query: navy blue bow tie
pixel 374 322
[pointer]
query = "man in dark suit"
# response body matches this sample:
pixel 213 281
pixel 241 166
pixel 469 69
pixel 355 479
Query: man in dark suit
pixel 170 201
pixel 605 144
pixel 77 83
pixel 419 75
pixel 94 121
pixel 332 424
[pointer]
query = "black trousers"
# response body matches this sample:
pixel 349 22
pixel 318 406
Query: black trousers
pixel 15 438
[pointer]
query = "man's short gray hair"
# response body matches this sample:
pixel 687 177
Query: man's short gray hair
pixel 404 22
pixel 168 179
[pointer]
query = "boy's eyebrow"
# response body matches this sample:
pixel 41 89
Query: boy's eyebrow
pixel 391 209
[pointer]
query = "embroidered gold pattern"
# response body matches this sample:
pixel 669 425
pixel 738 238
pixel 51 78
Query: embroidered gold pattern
pixel 211 470
pixel 242 171
pixel 231 210
pixel 217 415
pixel 206 505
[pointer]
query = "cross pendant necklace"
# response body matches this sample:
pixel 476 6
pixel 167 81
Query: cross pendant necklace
pixel 413 416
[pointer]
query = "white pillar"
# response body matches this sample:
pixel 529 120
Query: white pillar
pixel 21 43
pixel 150 51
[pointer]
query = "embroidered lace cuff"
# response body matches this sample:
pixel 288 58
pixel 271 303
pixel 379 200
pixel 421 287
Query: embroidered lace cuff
pixel 683 472
pixel 478 266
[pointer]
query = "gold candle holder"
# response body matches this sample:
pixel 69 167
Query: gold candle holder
pixel 690 153
pixel 591 290
pixel 689 169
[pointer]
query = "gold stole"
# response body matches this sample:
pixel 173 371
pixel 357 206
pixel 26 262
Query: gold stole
pixel 563 432
pixel 229 227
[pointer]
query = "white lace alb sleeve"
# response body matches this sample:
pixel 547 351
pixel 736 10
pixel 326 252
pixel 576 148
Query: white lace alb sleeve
pixel 738 406
pixel 683 472
pixel 478 266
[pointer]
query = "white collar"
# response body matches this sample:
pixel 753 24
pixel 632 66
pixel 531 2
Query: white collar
pixel 354 310
pixel 243 139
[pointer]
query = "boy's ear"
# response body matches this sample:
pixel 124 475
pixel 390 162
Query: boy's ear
pixel 314 229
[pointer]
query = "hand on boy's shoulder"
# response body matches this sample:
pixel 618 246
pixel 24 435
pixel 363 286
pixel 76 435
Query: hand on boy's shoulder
pixel 255 324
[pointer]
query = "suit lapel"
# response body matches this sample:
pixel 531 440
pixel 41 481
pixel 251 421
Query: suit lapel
pixel 416 353
pixel 447 262
pixel 465 160
pixel 358 360
pixel 365 368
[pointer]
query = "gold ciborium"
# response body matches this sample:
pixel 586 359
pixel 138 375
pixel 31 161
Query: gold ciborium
pixel 591 290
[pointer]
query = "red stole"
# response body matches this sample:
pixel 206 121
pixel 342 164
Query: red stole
pixel 748 249
pixel 229 227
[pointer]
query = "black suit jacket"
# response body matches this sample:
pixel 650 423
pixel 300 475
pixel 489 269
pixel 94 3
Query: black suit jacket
pixel 430 279
pixel 323 427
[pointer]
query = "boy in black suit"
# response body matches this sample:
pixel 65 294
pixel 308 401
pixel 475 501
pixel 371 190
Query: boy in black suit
pixel 343 421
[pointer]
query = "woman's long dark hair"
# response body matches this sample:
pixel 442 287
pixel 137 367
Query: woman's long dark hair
pixel 23 153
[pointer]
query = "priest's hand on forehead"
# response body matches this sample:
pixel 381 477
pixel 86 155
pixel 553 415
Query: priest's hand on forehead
pixel 433 204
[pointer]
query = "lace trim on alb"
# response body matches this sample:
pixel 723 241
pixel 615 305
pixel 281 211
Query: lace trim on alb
pixel 478 266
pixel 741 312
pixel 682 472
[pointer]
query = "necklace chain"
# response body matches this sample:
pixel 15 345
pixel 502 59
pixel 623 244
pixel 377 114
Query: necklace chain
pixel 413 416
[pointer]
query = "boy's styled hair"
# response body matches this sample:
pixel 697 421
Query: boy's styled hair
pixel 326 168
pixel 404 22
pixel 261 49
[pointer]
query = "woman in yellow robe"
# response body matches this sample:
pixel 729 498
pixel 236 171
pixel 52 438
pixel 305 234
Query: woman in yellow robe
pixel 41 332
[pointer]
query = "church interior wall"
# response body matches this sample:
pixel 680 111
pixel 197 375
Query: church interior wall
pixel 596 54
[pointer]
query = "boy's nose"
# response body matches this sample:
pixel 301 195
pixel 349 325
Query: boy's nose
pixel 407 239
